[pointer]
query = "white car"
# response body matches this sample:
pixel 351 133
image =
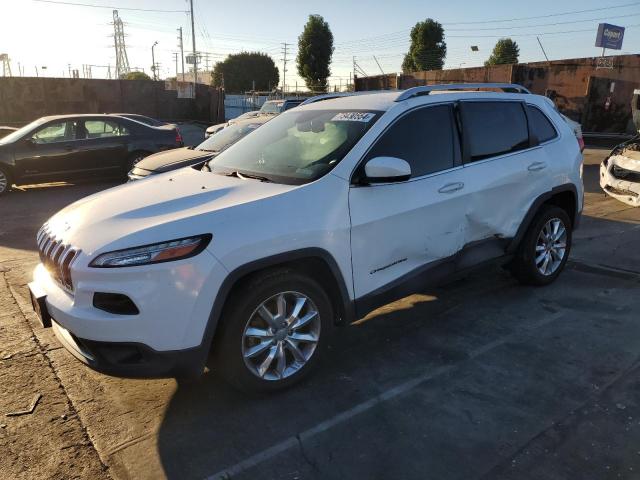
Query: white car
pixel 620 172
pixel 323 214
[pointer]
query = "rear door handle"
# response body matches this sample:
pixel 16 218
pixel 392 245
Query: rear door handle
pixel 451 187
pixel 535 166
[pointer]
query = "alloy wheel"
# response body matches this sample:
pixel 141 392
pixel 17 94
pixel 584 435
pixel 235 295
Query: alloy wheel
pixel 551 246
pixel 4 182
pixel 281 336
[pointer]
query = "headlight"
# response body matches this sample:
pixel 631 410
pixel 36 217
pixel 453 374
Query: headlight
pixel 155 253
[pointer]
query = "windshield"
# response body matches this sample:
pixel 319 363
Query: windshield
pixel 12 137
pixel 271 107
pixel 298 146
pixel 226 137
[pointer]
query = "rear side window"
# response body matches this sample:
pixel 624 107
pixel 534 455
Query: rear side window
pixel 493 128
pixel 103 129
pixel 541 127
pixel 424 138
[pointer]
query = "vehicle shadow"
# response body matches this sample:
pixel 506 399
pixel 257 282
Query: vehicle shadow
pixel 208 425
pixel 25 209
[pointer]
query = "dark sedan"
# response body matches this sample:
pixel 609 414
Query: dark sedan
pixel 198 156
pixel 68 147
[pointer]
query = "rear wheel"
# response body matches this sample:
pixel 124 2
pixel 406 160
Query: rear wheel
pixel 5 181
pixel 274 331
pixel 545 248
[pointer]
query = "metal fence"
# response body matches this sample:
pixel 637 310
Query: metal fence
pixel 236 105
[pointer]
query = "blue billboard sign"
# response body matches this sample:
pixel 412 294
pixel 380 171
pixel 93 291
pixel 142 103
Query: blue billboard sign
pixel 609 36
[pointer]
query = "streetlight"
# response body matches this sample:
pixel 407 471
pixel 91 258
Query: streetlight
pixel 153 61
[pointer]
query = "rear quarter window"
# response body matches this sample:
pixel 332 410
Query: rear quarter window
pixel 541 126
pixel 493 128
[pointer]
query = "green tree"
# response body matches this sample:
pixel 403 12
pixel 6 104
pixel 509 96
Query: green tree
pixel 135 76
pixel 315 49
pixel 245 71
pixel 505 52
pixel 428 48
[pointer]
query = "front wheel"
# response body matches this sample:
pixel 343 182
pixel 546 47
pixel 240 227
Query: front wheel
pixel 274 331
pixel 545 247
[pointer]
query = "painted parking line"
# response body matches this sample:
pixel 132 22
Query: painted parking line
pixel 392 393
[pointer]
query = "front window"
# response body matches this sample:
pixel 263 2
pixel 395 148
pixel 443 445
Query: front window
pixel 298 146
pixel 62 131
pixel 21 132
pixel 271 107
pixel 226 137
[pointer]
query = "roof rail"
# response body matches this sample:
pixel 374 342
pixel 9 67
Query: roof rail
pixel 425 90
pixel 331 96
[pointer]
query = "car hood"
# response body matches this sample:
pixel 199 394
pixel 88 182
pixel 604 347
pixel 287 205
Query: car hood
pixel 163 207
pixel 172 159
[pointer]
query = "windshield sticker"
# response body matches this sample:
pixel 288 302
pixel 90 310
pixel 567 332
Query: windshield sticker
pixel 353 117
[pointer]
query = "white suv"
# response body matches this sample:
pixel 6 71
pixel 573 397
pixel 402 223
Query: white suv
pixel 325 213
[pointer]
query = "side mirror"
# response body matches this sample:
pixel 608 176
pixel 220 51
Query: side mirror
pixel 387 169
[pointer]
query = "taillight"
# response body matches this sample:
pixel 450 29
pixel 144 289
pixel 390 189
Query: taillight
pixel 580 143
pixel 178 137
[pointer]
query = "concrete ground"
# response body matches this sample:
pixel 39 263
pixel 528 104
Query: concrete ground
pixel 480 379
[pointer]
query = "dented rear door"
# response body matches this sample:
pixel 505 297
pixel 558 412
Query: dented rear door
pixel 502 173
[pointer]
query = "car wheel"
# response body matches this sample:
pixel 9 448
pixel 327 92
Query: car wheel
pixel 275 328
pixel 545 247
pixel 135 158
pixel 5 181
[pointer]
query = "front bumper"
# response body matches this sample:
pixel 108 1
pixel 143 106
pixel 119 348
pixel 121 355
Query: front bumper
pixel 163 338
pixel 623 190
pixel 132 360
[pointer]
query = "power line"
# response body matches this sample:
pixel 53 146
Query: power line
pixel 112 7
pixel 542 24
pixel 544 16
pixel 396 34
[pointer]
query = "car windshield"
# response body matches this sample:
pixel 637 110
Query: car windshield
pixel 296 147
pixel 227 136
pixel 12 137
pixel 271 107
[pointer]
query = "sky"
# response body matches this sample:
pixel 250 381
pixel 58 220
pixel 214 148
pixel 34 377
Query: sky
pixel 39 34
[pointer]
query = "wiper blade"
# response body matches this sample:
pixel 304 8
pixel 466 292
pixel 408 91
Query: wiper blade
pixel 238 174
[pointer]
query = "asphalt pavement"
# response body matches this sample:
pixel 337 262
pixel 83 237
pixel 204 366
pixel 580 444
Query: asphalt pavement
pixel 479 379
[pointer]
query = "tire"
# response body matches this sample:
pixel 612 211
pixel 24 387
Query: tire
pixel 529 265
pixel 134 158
pixel 5 181
pixel 243 358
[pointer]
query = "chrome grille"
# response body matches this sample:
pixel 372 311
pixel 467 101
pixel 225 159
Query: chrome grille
pixel 56 256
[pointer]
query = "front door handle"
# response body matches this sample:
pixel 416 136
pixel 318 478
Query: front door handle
pixel 68 148
pixel 451 187
pixel 535 166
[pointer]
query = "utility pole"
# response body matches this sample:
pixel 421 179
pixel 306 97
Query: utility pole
pixel 285 48
pixel 153 61
pixel 195 56
pixel 175 57
pixel 6 65
pixel 181 53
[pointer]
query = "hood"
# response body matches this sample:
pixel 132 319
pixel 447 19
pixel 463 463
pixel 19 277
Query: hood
pixel 163 207
pixel 172 159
